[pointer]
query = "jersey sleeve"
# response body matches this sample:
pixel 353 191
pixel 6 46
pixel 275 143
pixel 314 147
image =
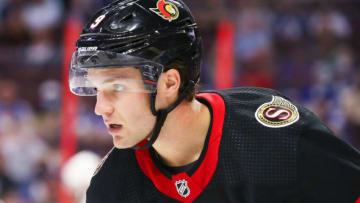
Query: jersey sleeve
pixel 328 167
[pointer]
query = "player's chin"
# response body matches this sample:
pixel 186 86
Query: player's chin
pixel 122 143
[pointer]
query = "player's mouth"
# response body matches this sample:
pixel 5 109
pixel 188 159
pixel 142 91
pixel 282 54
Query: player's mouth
pixel 114 128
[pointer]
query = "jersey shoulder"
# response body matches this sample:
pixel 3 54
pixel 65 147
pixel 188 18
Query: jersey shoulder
pixel 260 134
pixel 263 106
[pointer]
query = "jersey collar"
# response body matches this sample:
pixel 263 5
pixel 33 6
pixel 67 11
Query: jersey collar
pixel 181 186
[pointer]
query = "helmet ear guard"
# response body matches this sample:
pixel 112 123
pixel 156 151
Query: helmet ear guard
pixel 144 34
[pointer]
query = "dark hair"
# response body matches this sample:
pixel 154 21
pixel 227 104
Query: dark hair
pixel 180 66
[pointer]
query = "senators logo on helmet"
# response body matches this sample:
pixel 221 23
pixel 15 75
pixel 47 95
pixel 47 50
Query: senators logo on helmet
pixel 166 10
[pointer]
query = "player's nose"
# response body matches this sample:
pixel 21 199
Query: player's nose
pixel 103 106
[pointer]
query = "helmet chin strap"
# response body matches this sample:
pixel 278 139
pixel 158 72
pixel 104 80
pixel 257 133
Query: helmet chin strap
pixel 161 115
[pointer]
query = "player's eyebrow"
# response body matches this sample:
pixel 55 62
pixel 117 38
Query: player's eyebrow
pixel 111 80
pixel 108 76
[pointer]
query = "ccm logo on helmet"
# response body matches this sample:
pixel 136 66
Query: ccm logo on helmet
pixel 166 10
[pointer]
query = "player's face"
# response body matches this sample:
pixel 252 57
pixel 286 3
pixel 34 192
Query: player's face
pixel 123 103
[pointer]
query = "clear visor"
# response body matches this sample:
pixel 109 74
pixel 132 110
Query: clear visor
pixel 94 71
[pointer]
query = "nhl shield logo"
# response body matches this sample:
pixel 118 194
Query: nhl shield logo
pixel 182 188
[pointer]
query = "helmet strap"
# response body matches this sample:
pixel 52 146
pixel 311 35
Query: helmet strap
pixel 161 116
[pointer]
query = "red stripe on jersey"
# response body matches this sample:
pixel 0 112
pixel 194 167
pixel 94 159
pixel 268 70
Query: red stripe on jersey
pixel 202 176
pixel 358 201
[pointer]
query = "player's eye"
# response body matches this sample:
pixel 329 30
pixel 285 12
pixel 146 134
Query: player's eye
pixel 118 87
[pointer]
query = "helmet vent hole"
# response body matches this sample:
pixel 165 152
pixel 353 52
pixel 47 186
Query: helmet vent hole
pixel 127 18
pixel 121 23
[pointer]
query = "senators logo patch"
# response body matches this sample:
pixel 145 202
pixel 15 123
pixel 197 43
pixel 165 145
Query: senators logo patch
pixel 277 113
pixel 166 10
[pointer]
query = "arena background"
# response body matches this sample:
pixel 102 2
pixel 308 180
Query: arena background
pixel 308 49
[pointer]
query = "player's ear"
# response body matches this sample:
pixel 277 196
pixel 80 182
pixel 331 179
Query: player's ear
pixel 172 81
pixel 168 87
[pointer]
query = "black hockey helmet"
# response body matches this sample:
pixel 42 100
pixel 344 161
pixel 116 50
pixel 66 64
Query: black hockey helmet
pixel 145 34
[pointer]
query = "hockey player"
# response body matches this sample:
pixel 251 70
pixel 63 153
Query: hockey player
pixel 141 59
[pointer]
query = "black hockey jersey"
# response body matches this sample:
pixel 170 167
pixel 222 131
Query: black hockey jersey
pixel 260 148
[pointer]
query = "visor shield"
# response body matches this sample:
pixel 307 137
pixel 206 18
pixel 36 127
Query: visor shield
pixel 92 71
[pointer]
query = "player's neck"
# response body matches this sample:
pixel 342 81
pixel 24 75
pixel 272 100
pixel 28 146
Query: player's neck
pixel 182 137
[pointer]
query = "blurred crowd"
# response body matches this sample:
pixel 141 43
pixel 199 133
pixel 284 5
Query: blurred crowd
pixel 307 49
